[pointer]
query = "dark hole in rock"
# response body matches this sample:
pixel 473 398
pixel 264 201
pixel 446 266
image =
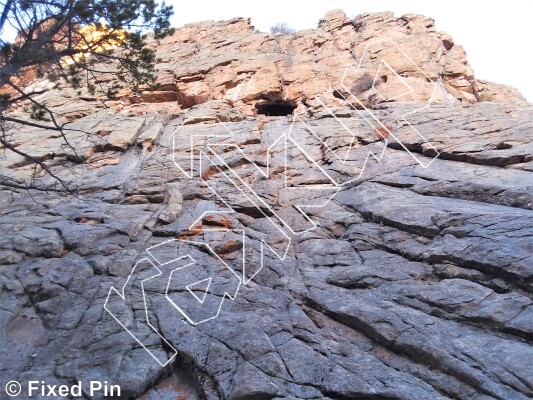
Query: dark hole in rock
pixel 384 78
pixel 337 94
pixel 503 146
pixel 447 44
pixel 276 108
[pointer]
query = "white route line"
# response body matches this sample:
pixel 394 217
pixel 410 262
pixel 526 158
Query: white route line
pixel 403 117
pixel 252 199
pixel 246 190
pixel 339 185
pixel 193 261
pixel 121 294
pixel 232 176
pixel 204 291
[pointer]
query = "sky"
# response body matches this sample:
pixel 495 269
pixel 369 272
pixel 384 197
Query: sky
pixel 497 35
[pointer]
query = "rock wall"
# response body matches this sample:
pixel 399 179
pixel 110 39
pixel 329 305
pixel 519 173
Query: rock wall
pixel 247 66
pixel 412 281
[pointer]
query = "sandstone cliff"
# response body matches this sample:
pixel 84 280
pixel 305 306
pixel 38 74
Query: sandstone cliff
pixel 410 278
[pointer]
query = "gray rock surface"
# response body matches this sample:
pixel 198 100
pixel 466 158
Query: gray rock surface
pixel 415 284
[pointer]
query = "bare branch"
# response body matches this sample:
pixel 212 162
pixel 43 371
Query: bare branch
pixel 36 161
pixel 54 121
pixel 7 182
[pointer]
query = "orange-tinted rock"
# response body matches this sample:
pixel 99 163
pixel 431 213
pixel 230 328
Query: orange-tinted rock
pixel 230 60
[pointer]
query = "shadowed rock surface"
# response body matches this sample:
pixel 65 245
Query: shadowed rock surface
pixel 415 283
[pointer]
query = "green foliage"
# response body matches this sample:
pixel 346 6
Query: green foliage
pixel 55 41
pixel 91 45
pixel 4 99
pixel 39 113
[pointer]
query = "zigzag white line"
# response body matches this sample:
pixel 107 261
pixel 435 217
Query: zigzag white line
pixel 123 297
pixel 391 134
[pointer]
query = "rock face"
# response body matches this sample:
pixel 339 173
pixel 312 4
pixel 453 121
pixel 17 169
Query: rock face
pixel 406 274
pixel 250 67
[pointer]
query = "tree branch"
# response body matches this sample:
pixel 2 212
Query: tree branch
pixel 36 161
